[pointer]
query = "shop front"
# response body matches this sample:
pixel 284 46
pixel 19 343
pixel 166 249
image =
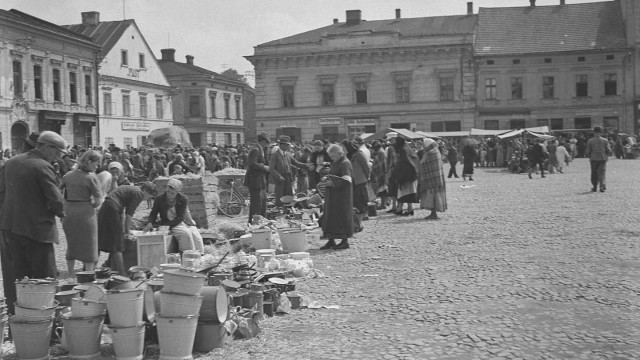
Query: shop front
pixel 51 120
pixel 359 126
pixel 83 125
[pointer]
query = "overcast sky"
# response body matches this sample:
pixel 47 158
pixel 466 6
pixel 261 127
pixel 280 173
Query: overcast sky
pixel 218 33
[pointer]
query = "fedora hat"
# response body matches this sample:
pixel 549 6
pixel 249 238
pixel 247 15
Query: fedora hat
pixel 284 139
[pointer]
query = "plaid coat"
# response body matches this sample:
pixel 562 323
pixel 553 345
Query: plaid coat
pixel 431 175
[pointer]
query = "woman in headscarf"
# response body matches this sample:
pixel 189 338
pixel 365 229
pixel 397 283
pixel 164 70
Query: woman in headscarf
pixel 199 163
pixel 406 175
pixel 378 178
pixel 433 192
pixel 172 206
pixel 113 232
pixel 360 170
pixel 83 195
pixel 337 221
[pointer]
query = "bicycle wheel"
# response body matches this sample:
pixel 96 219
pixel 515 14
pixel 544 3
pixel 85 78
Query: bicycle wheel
pixel 231 204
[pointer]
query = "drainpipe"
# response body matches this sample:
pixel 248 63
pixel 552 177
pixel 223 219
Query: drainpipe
pixel 97 92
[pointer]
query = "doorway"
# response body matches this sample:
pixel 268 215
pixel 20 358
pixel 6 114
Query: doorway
pixel 19 132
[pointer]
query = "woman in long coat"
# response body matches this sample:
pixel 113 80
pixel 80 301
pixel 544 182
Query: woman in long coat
pixel 433 192
pixel 337 222
pixel 361 172
pixel 378 177
pixel 83 195
pixel 406 175
pixel 469 153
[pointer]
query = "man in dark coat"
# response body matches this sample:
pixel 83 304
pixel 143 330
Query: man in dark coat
pixel 598 151
pixel 452 156
pixel 256 177
pixel 29 202
pixel 280 164
pixel 537 156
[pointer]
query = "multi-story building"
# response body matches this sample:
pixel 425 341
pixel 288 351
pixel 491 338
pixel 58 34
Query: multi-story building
pixel 208 105
pixel 565 66
pixel 48 80
pixel 249 112
pixel 135 96
pixel 359 76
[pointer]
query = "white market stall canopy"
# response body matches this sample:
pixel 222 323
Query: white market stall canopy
pixel 535 131
pixel 442 134
pixel 483 132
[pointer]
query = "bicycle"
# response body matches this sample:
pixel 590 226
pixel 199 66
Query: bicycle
pixel 232 203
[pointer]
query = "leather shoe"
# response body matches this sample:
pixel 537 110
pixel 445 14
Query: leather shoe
pixel 344 244
pixel 391 211
pixel 594 189
pixel 357 230
pixel 602 189
pixel 329 245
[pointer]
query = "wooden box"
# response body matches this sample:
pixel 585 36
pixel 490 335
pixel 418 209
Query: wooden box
pixel 152 249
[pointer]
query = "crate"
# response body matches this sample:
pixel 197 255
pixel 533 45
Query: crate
pixel 152 249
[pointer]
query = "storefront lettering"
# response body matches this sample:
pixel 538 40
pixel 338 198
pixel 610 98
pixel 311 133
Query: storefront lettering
pixel 330 121
pixel 136 125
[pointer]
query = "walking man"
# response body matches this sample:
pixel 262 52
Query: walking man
pixel 29 202
pixel 537 156
pixel 256 177
pixel 452 156
pixel 598 150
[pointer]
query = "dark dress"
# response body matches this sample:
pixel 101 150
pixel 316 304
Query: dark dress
pixel 338 204
pixel 124 199
pixel 469 154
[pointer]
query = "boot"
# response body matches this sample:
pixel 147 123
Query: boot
pixel 329 245
pixel 344 244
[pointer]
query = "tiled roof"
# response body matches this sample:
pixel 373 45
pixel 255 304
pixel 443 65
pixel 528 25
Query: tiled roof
pixel 173 68
pixel 410 27
pixel 106 33
pixel 543 29
pixel 34 21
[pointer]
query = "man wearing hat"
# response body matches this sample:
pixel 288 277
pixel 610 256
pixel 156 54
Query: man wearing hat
pixel 598 151
pixel 317 161
pixel 29 202
pixel 31 142
pixel 280 168
pixel 363 147
pixel 256 176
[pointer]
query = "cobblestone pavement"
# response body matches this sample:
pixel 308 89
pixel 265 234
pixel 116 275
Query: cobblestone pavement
pixel 516 269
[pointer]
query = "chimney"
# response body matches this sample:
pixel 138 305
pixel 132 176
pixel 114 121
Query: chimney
pixel 90 18
pixel 470 8
pixel 335 21
pixel 168 55
pixel 398 14
pixel 189 59
pixel 353 17
pixel 533 3
pixel 561 2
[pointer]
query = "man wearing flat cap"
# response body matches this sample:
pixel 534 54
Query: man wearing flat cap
pixel 256 176
pixel 280 170
pixel 29 202
pixel 598 151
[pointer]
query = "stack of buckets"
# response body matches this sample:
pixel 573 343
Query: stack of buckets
pixel 127 328
pixel 82 326
pixel 180 303
pixel 32 324
pixel 211 332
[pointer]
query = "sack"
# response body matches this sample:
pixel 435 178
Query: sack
pixel 248 321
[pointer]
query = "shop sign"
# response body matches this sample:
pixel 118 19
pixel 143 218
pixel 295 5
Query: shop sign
pixel 330 121
pixel 136 125
pixel 357 122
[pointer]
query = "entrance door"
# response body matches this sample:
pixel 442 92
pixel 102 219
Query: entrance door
pixel 19 132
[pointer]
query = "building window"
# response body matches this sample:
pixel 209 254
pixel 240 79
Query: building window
pixel 126 105
pixel 287 96
pixel 492 124
pixel 438 126
pixel 583 123
pixel 57 94
pixel 582 59
pixel 237 98
pixel 542 122
pixel 227 98
pixel 212 100
pixel 516 61
pixel 108 105
pixel 142 140
pixel 610 84
pixel 516 124
pixel 143 106
pixel 128 142
pixel 516 88
pixel 194 106
pixel 490 89
pixel 73 87
pixel 557 124
pixel 227 138
pixel 108 141
pixel 327 92
pixel 446 89
pixel 611 57
pixel 17 79
pixel 141 61
pixel 490 62
pixel 582 86
pixel 37 81
pixel 361 92
pixel 610 123
pixel 547 60
pixel 548 89
pixel 124 58
pixel 402 91
pixel 238 139
pixel 88 92
pixel 159 110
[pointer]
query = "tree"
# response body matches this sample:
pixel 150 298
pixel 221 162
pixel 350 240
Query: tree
pixel 233 74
